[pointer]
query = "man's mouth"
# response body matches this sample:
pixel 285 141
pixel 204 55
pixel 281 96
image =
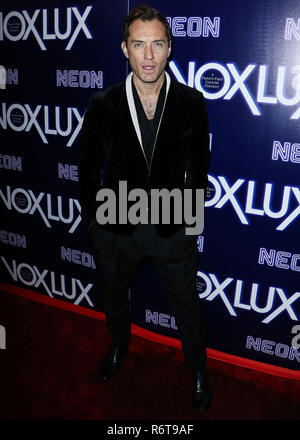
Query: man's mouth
pixel 149 68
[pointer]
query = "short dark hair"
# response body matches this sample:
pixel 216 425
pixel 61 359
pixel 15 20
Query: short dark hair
pixel 145 13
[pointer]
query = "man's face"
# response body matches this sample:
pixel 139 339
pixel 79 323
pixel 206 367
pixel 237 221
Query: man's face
pixel 147 49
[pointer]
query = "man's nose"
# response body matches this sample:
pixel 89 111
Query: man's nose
pixel 148 52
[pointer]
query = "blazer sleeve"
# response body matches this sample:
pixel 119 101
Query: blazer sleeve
pixel 91 158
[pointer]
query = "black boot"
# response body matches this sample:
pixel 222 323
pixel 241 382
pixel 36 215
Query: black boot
pixel 202 391
pixel 111 362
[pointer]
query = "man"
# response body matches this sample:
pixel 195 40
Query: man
pixel 151 132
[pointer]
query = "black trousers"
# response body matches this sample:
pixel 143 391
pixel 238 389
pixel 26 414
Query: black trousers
pixel 175 258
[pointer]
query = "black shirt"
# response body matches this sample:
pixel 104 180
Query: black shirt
pixel 149 127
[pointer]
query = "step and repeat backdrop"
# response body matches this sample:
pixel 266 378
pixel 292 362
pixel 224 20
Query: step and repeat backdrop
pixel 245 58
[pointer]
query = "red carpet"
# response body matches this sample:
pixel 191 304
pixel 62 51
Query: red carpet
pixel 50 365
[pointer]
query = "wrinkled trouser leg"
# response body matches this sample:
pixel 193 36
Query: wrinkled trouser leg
pixel 175 259
pixel 117 261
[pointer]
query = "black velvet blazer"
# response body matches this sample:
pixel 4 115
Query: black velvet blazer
pixel 110 150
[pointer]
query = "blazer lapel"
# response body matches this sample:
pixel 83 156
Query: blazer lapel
pixel 173 123
pixel 133 113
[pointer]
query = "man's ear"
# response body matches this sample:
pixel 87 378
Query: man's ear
pixel 124 49
pixel 169 48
